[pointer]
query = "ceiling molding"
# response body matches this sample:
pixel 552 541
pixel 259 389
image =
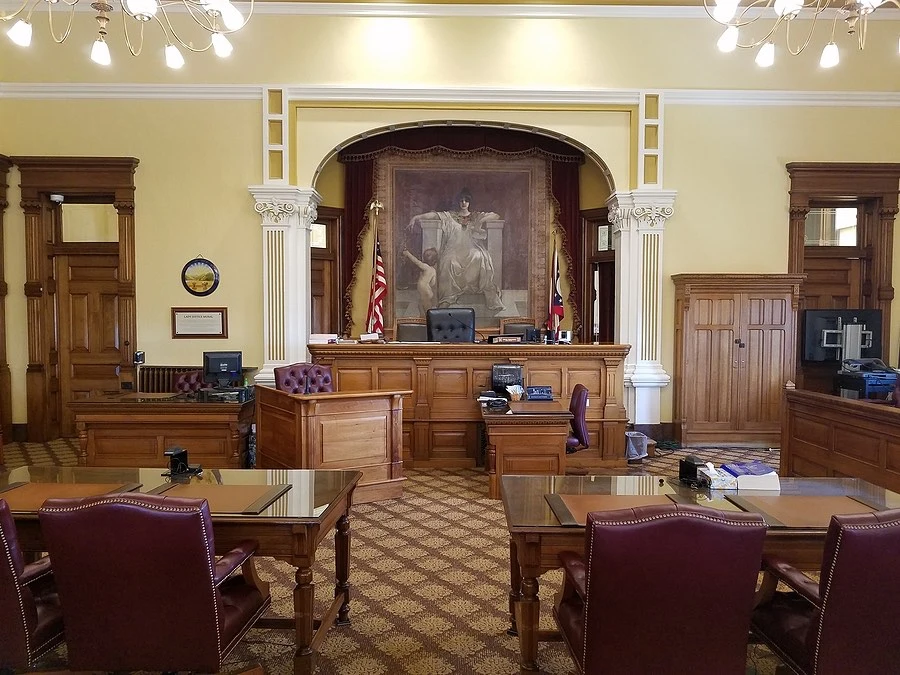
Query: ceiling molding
pixel 451 96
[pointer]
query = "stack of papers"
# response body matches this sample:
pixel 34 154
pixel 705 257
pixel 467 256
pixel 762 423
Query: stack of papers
pixel 753 475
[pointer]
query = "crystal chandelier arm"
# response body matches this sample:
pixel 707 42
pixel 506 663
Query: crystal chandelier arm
pixel 135 51
pixel 8 17
pixel 56 38
pixel 167 28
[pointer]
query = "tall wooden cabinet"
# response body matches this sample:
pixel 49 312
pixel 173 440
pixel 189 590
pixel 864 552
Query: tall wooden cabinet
pixel 735 350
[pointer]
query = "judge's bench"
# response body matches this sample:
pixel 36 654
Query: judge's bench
pixel 442 423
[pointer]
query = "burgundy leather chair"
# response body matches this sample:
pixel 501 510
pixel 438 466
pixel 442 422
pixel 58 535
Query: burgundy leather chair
pixel 30 615
pixel 304 378
pixel 579 438
pixel 846 623
pixel 140 586
pixel 661 589
pixel 187 382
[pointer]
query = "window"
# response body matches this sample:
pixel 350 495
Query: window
pixel 831 227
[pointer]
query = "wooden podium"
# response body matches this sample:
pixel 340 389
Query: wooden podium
pixel 357 430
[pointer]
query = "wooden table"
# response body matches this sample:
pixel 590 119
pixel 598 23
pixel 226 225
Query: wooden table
pixel 525 437
pixel 536 536
pixel 290 529
pixel 136 429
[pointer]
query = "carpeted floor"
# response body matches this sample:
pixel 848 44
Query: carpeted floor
pixel 429 575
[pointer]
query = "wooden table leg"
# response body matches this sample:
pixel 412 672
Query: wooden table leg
pixel 515 586
pixel 342 568
pixel 528 615
pixel 304 598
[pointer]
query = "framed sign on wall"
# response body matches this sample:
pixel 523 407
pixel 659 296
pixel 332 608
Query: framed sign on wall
pixel 199 276
pixel 199 322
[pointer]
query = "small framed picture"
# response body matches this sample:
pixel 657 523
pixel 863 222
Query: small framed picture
pixel 603 238
pixel 199 277
pixel 199 322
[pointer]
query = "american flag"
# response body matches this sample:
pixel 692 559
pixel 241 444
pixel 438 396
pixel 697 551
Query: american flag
pixel 556 309
pixel 375 316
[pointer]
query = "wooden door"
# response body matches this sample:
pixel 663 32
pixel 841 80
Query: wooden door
pixel 90 354
pixel 766 359
pixel 711 367
pixel 325 296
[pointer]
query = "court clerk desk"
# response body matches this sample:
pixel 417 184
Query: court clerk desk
pixel 134 430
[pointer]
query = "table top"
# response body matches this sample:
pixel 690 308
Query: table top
pixel 527 508
pixel 310 494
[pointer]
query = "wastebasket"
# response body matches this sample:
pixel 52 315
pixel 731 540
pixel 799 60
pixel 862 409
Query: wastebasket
pixel 635 446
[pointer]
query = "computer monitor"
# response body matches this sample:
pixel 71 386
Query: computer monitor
pixel 504 375
pixel 450 324
pixel 222 369
pixel 822 333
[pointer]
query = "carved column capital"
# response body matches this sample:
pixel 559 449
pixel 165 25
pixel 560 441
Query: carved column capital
pixel 282 206
pixel 640 209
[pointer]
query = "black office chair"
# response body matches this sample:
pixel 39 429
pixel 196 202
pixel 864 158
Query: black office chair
pixel 517 325
pixel 410 329
pixel 451 324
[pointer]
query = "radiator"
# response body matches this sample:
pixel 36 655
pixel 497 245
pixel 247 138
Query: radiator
pixel 158 379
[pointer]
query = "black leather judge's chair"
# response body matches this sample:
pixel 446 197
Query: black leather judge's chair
pixel 687 612
pixel 451 324
pixel 516 325
pixel 141 588
pixel 579 438
pixel 845 624
pixel 412 329
pixel 304 378
pixel 31 622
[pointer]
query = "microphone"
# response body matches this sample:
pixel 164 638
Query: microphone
pixel 467 327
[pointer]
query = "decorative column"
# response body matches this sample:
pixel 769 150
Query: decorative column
pixel 638 222
pixel 287 213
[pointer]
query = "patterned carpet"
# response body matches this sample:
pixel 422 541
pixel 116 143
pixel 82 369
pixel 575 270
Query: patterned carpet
pixel 429 575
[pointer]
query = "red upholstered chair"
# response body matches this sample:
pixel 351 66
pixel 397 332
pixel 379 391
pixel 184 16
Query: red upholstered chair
pixel 579 438
pixel 30 614
pixel 304 378
pixel 141 588
pixel 845 624
pixel 661 589
pixel 187 382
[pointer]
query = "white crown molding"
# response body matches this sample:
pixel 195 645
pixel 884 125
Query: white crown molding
pixel 450 95
pixel 211 92
pixel 752 97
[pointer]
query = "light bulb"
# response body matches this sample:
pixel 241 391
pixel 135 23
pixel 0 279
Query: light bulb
pixel 788 8
pixel 728 41
pixel 221 45
pixel 725 10
pixel 231 17
pixel 100 52
pixel 765 57
pixel 830 56
pixel 174 59
pixel 142 10
pixel 20 33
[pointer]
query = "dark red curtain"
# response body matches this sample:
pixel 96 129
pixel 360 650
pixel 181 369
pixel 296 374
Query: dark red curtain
pixel 359 163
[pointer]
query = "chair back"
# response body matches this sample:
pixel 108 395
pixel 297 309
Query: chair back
pixel 856 629
pixel 450 324
pixel 516 325
pixel 694 573
pixel 18 614
pixel 304 378
pixel 578 408
pixel 188 382
pixel 411 331
pixel 135 579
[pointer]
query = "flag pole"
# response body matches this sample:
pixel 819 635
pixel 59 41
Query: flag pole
pixel 374 207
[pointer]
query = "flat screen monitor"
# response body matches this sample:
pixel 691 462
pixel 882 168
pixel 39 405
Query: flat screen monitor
pixel 504 375
pixel 816 321
pixel 222 369
pixel 450 324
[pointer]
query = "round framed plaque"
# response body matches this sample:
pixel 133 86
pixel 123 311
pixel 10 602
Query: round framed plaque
pixel 200 277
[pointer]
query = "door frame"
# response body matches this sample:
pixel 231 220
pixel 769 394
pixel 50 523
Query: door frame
pixel 98 180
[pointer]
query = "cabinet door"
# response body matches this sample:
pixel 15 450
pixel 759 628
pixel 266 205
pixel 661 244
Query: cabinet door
pixel 711 362
pixel 766 359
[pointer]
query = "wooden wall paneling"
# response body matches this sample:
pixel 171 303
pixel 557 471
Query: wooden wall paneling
pixel 5 380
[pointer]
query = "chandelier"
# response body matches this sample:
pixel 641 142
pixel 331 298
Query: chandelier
pixel 216 19
pixel 778 13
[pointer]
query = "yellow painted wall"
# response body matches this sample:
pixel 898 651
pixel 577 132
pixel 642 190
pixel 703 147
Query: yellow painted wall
pixel 191 198
pixel 198 157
